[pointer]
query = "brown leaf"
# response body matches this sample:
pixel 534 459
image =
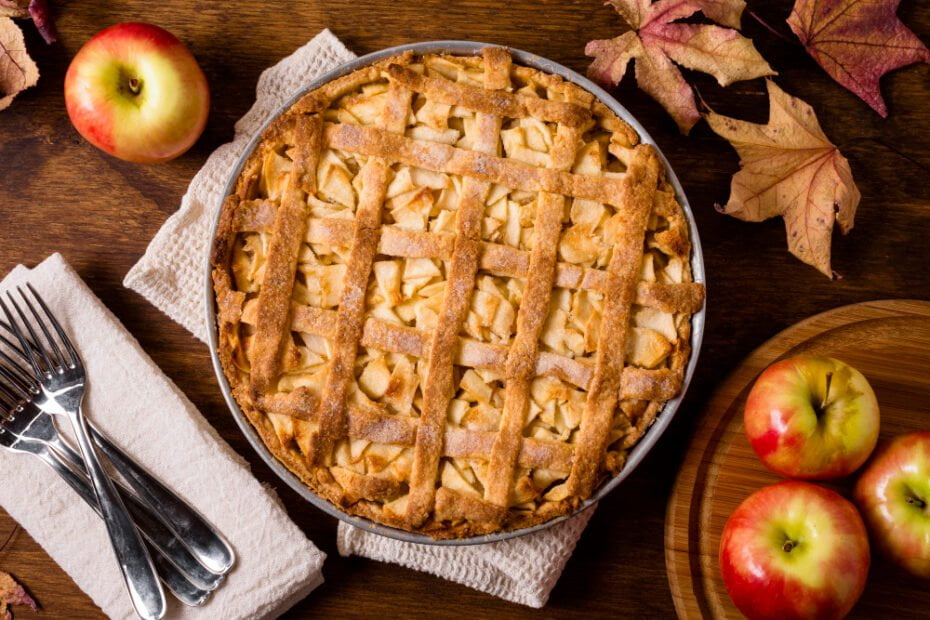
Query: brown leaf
pixel 14 8
pixel 857 42
pixel 726 12
pixel 17 71
pixel 790 168
pixel 657 39
pixel 11 593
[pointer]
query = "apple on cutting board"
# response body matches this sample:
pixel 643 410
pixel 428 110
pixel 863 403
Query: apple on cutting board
pixel 812 417
pixel 894 496
pixel 136 92
pixel 794 550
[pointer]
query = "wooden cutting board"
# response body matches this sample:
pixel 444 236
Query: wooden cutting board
pixel 889 341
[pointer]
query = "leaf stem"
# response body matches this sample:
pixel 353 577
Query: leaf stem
pixel 883 144
pixel 770 29
pixel 9 538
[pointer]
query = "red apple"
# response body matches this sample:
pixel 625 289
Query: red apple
pixel 894 495
pixel 812 418
pixel 136 92
pixel 794 550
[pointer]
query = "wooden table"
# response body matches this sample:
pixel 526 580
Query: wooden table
pixel 59 194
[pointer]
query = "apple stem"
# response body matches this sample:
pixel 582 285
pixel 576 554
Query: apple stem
pixel 788 546
pixel 826 394
pixel 134 85
pixel 916 501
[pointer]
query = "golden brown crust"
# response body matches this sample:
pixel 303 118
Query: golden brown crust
pixel 258 216
pixel 521 358
pixel 603 390
pixel 496 413
pixel 461 281
pixel 373 142
pixel 275 294
pixel 493 102
pixel 350 316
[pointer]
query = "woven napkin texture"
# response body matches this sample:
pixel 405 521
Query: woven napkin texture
pixel 141 410
pixel 171 275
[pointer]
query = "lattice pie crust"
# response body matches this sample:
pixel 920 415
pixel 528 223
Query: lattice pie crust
pixel 453 292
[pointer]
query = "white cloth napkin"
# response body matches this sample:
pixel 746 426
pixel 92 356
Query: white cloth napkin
pixel 171 276
pixel 141 410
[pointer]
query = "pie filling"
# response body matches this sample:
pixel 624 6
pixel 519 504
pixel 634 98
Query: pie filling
pixel 453 292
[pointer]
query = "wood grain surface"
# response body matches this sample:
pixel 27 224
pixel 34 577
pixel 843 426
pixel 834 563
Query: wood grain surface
pixel 58 193
pixel 721 469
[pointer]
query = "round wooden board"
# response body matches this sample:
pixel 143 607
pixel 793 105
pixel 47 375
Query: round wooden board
pixel 889 341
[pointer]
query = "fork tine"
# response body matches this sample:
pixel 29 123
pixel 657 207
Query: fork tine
pixel 65 340
pixel 8 400
pixel 14 366
pixel 8 342
pixel 62 362
pixel 15 381
pixel 11 323
pixel 7 391
pixel 32 334
pixel 16 347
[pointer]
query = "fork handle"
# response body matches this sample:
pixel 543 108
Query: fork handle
pixel 133 558
pixel 149 525
pixel 180 585
pixel 201 538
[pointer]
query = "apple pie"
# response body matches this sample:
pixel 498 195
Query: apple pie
pixel 452 292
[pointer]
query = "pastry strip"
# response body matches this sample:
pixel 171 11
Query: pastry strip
pixel 397 430
pixel 497 259
pixel 497 102
pixel 288 233
pixel 636 383
pixel 461 281
pixel 438 157
pixel 622 273
pixel 521 359
pixel 351 314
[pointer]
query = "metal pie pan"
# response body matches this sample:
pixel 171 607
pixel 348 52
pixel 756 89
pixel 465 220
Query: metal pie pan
pixel 637 453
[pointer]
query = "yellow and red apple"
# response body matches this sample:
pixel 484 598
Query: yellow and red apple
pixel 812 417
pixel 894 496
pixel 794 550
pixel 136 92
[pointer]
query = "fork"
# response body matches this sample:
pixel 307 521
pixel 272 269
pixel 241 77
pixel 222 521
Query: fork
pixel 61 391
pixel 15 427
pixel 27 423
pixel 201 539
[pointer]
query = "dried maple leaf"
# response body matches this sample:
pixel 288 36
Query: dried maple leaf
pixel 11 593
pixel 656 40
pixel 726 12
pixel 42 18
pixel 790 168
pixel 37 10
pixel 17 71
pixel 857 42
